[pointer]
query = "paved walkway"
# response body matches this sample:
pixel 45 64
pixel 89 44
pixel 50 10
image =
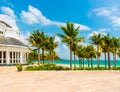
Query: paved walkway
pixel 58 81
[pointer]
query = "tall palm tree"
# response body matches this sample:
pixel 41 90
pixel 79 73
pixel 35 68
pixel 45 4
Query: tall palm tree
pixel 44 44
pixel 118 53
pixel 36 41
pixel 74 49
pixel 106 41
pixel 104 50
pixel 96 40
pixel 69 36
pixel 51 47
pixel 79 54
pixel 115 45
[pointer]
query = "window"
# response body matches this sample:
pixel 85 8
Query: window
pixel 4 57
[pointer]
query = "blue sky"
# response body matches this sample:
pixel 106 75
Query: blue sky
pixel 92 16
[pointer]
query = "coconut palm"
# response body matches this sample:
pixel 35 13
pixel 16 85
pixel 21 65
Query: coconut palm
pixel 44 44
pixel 79 54
pixel 90 54
pixel 96 40
pixel 35 39
pixel 118 53
pixel 115 45
pixel 104 50
pixel 51 45
pixel 106 41
pixel 69 36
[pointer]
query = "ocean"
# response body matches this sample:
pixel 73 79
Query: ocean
pixel 66 62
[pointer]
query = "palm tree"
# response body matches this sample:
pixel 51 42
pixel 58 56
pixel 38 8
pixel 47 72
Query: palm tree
pixel 79 54
pixel 106 41
pixel 118 53
pixel 74 49
pixel 69 36
pixel 44 44
pixel 36 41
pixel 96 40
pixel 104 50
pixel 90 54
pixel 51 47
pixel 115 45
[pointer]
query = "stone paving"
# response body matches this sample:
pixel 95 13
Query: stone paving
pixel 58 81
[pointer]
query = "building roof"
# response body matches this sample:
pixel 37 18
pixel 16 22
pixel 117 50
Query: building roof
pixel 11 41
pixel 5 24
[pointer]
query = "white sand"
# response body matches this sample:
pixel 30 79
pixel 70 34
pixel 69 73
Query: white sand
pixel 58 81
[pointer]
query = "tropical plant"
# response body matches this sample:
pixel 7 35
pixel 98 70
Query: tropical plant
pixel 35 39
pixel 80 53
pixel 106 41
pixel 51 45
pixel 115 45
pixel 96 40
pixel 70 35
pixel 19 67
pixel 104 50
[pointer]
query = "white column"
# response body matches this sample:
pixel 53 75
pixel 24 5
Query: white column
pixel 21 58
pixel 7 57
pixel 12 57
pixel 15 57
pixel 25 58
pixel 2 57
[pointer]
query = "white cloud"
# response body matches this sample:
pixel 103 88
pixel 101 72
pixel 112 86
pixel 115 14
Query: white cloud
pixel 102 12
pixel 96 32
pixel 57 39
pixel 35 16
pixel 115 21
pixel 65 47
pixel 111 14
pixel 8 11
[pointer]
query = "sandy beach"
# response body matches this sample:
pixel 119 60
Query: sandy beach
pixel 58 81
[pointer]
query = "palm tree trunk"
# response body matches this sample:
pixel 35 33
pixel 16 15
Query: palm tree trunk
pixel 88 63
pixel 105 60
pixel 98 59
pixel 91 64
pixel 109 66
pixel 114 56
pixel 38 56
pixel 43 55
pixel 74 60
pixel 83 62
pixel 52 57
pixel 79 62
pixel 70 57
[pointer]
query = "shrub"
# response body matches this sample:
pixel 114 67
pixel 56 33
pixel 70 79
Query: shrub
pixel 46 67
pixel 116 68
pixel 19 67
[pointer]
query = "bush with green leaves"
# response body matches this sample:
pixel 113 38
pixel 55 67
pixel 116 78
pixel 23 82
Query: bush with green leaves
pixel 46 67
pixel 115 68
pixel 89 68
pixel 19 67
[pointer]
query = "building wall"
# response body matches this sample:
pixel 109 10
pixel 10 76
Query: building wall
pixel 13 55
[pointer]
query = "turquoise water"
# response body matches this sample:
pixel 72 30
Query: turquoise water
pixel 102 62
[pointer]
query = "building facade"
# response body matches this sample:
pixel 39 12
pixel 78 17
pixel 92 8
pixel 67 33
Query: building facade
pixel 12 50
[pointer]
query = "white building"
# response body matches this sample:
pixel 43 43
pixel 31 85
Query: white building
pixel 12 50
